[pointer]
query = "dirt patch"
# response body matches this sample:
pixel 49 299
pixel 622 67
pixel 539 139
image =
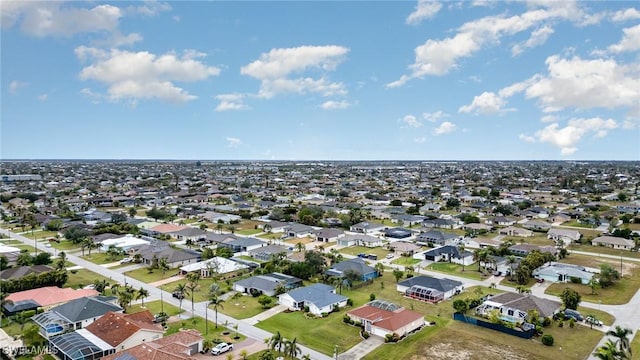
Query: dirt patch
pixel 627 267
pixel 467 351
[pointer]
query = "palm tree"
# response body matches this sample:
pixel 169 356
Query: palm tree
pixel 219 227
pixel 379 268
pixel 232 228
pixel 142 294
pixel 608 351
pixel 163 266
pixel 180 291
pixel 266 228
pixel 511 260
pixel 216 302
pixel 192 285
pixel 100 285
pixel 124 298
pixel 291 348
pixel 276 342
pixel 244 353
pixel 461 250
pixel 622 336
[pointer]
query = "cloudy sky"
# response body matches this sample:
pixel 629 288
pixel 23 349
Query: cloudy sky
pixel 335 80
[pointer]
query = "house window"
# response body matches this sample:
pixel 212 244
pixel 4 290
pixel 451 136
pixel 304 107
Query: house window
pixel 510 312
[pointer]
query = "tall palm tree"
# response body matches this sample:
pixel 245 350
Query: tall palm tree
pixel 291 348
pixel 180 291
pixel 163 265
pixel 216 302
pixel 461 250
pixel 192 286
pixel 511 260
pixel 276 342
pixel 299 246
pixel 622 336
pixel 608 351
pixel 379 268
pixel 141 294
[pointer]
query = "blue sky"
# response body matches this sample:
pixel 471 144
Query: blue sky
pixel 334 80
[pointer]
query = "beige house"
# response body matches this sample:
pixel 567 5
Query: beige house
pixel 613 242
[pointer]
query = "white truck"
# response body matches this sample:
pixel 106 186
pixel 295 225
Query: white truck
pixel 221 348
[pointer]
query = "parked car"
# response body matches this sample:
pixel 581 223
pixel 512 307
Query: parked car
pixel 178 295
pixel 126 260
pixel 540 280
pixel 590 319
pixel 389 256
pixel 221 348
pixel 160 317
pixel 372 257
pixel 573 314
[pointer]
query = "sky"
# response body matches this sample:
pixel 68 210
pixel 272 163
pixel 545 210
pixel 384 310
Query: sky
pixel 320 80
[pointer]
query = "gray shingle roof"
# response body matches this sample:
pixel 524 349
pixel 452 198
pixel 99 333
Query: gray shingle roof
pixel 442 285
pixel 318 294
pixel 84 308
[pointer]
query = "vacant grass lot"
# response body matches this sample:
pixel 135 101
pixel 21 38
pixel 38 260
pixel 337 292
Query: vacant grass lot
pixel 65 245
pixel 405 261
pixel 83 277
pixel 604 250
pixel 101 258
pixel 155 307
pixel 617 294
pixel 201 293
pixel 355 250
pixel 507 282
pixel 143 274
pixel 40 235
pixel 248 232
pixel 243 307
pixel 470 272
pixel 210 332
pixel 537 239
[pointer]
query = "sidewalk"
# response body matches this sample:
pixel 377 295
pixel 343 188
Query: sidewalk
pixel 362 348
pixel 167 280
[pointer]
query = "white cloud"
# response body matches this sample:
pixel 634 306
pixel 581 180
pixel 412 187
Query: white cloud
pixel 274 68
pixel 233 142
pixel 143 75
pixel 335 105
pixel 567 138
pixel 43 97
pixel 411 121
pixel 627 14
pixel 434 116
pixel 586 84
pixel 527 138
pixel 16 85
pixel 425 9
pixel 538 37
pixel 630 40
pixel 486 103
pixel 231 102
pixel 444 128
pixel 438 57
pixel 549 118
pixel 149 8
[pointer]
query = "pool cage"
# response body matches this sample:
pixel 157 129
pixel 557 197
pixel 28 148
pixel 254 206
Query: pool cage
pixel 424 294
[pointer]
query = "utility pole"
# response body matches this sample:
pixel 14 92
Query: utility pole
pixel 206 317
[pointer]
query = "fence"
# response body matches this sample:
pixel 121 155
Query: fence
pixel 515 332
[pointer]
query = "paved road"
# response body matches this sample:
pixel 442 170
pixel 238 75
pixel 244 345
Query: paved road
pixel 243 327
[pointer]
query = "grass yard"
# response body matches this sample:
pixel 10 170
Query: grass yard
pixel 507 282
pixel 319 334
pixel 405 261
pixel 635 344
pixel 605 317
pixel 249 232
pixel 539 240
pixel 355 250
pixel 247 225
pixel 40 235
pixel 199 324
pixel 244 307
pixel 101 258
pixel 155 307
pixel 143 274
pixel 470 272
pixel 294 241
pixel 65 245
pixel 84 277
pixel 604 250
pixel 576 223
pixel 202 291
pixel 31 249
pixel 10 242
pixel 619 293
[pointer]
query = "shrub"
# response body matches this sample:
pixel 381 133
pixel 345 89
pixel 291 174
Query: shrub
pixel 547 340
pixel 365 335
pixel 324 314
pixel 372 297
pixel 391 338
pixel 572 323
pixel 575 280
pixel 346 319
pixel 306 309
pixel 546 322
pixel 349 302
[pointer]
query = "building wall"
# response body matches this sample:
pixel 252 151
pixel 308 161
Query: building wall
pixel 138 338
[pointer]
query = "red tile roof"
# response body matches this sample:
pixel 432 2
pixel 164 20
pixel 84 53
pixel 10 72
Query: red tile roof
pixel 51 295
pixel 172 347
pixel 167 228
pixel 115 328
pixel 388 320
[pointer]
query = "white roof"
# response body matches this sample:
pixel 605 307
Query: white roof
pixel 222 265
pixel 124 242
pixel 94 339
pixel 4 249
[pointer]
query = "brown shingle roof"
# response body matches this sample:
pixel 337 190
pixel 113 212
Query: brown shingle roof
pixel 115 328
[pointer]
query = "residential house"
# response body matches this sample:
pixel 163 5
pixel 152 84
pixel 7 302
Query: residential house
pixel 441 223
pixel 437 238
pixel 219 218
pixel 382 318
pixel 537 225
pixel 356 265
pixel 49 296
pixel 267 284
pixel 407 219
pixel 125 242
pixel 360 240
pixel 295 230
pixel 500 221
pixel 215 265
pixel 398 233
pixel 560 272
pixel 442 288
pixel 480 243
pixel 559 218
pixel 366 227
pixel 613 242
pixel 327 234
pixel 243 244
pixel 449 253
pixel 10 252
pixel 124 331
pixel 149 253
pixel 404 247
pixel 266 253
pixel 189 234
pixel 515 231
pixel 318 298
pixel 513 307
pixel 183 345
pixel 567 236
pixel 525 249
pixel 477 227
pixel 73 315
pixel 20 271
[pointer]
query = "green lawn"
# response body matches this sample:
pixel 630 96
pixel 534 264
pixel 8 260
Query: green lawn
pixel 318 334
pixel 507 282
pixel 201 293
pixel 155 307
pixel 355 250
pixel 604 250
pixel 576 223
pixel 248 258
pixel 143 274
pixel 84 277
pixel 249 232
pixel 40 235
pixel 537 239
pixel 470 272
pixel 605 317
pixel 11 242
pixel 199 324
pixel 243 307
pixel 405 261
pixel 619 293
pixel 635 344
pixel 101 258
pixel 65 245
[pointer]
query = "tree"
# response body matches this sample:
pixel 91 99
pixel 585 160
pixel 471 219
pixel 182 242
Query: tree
pixel 192 286
pixel 4 262
pixel 291 348
pixel 267 355
pixel 276 342
pixel 511 261
pixel 460 306
pixel 480 256
pixel 76 234
pixel 4 301
pixel 180 291
pixel 163 265
pixel 224 251
pixel 461 250
pixel 608 275
pixel 608 351
pixel 265 301
pixel 244 353
pixel 142 294
pixel 570 298
pixel 398 274
pixel 43 258
pixel 453 203
pixel 217 303
pixel 315 260
pixel 622 336
pixel 24 259
pixel 379 268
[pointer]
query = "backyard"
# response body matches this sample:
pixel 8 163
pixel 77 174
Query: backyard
pixel 243 307
pixel 405 261
pixel 603 250
pixel 144 275
pixel 83 277
pixel 470 271
pixel 355 250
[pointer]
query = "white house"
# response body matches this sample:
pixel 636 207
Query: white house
pixel 125 243
pixel 381 318
pixel 218 265
pixel 319 298
pixel 567 236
